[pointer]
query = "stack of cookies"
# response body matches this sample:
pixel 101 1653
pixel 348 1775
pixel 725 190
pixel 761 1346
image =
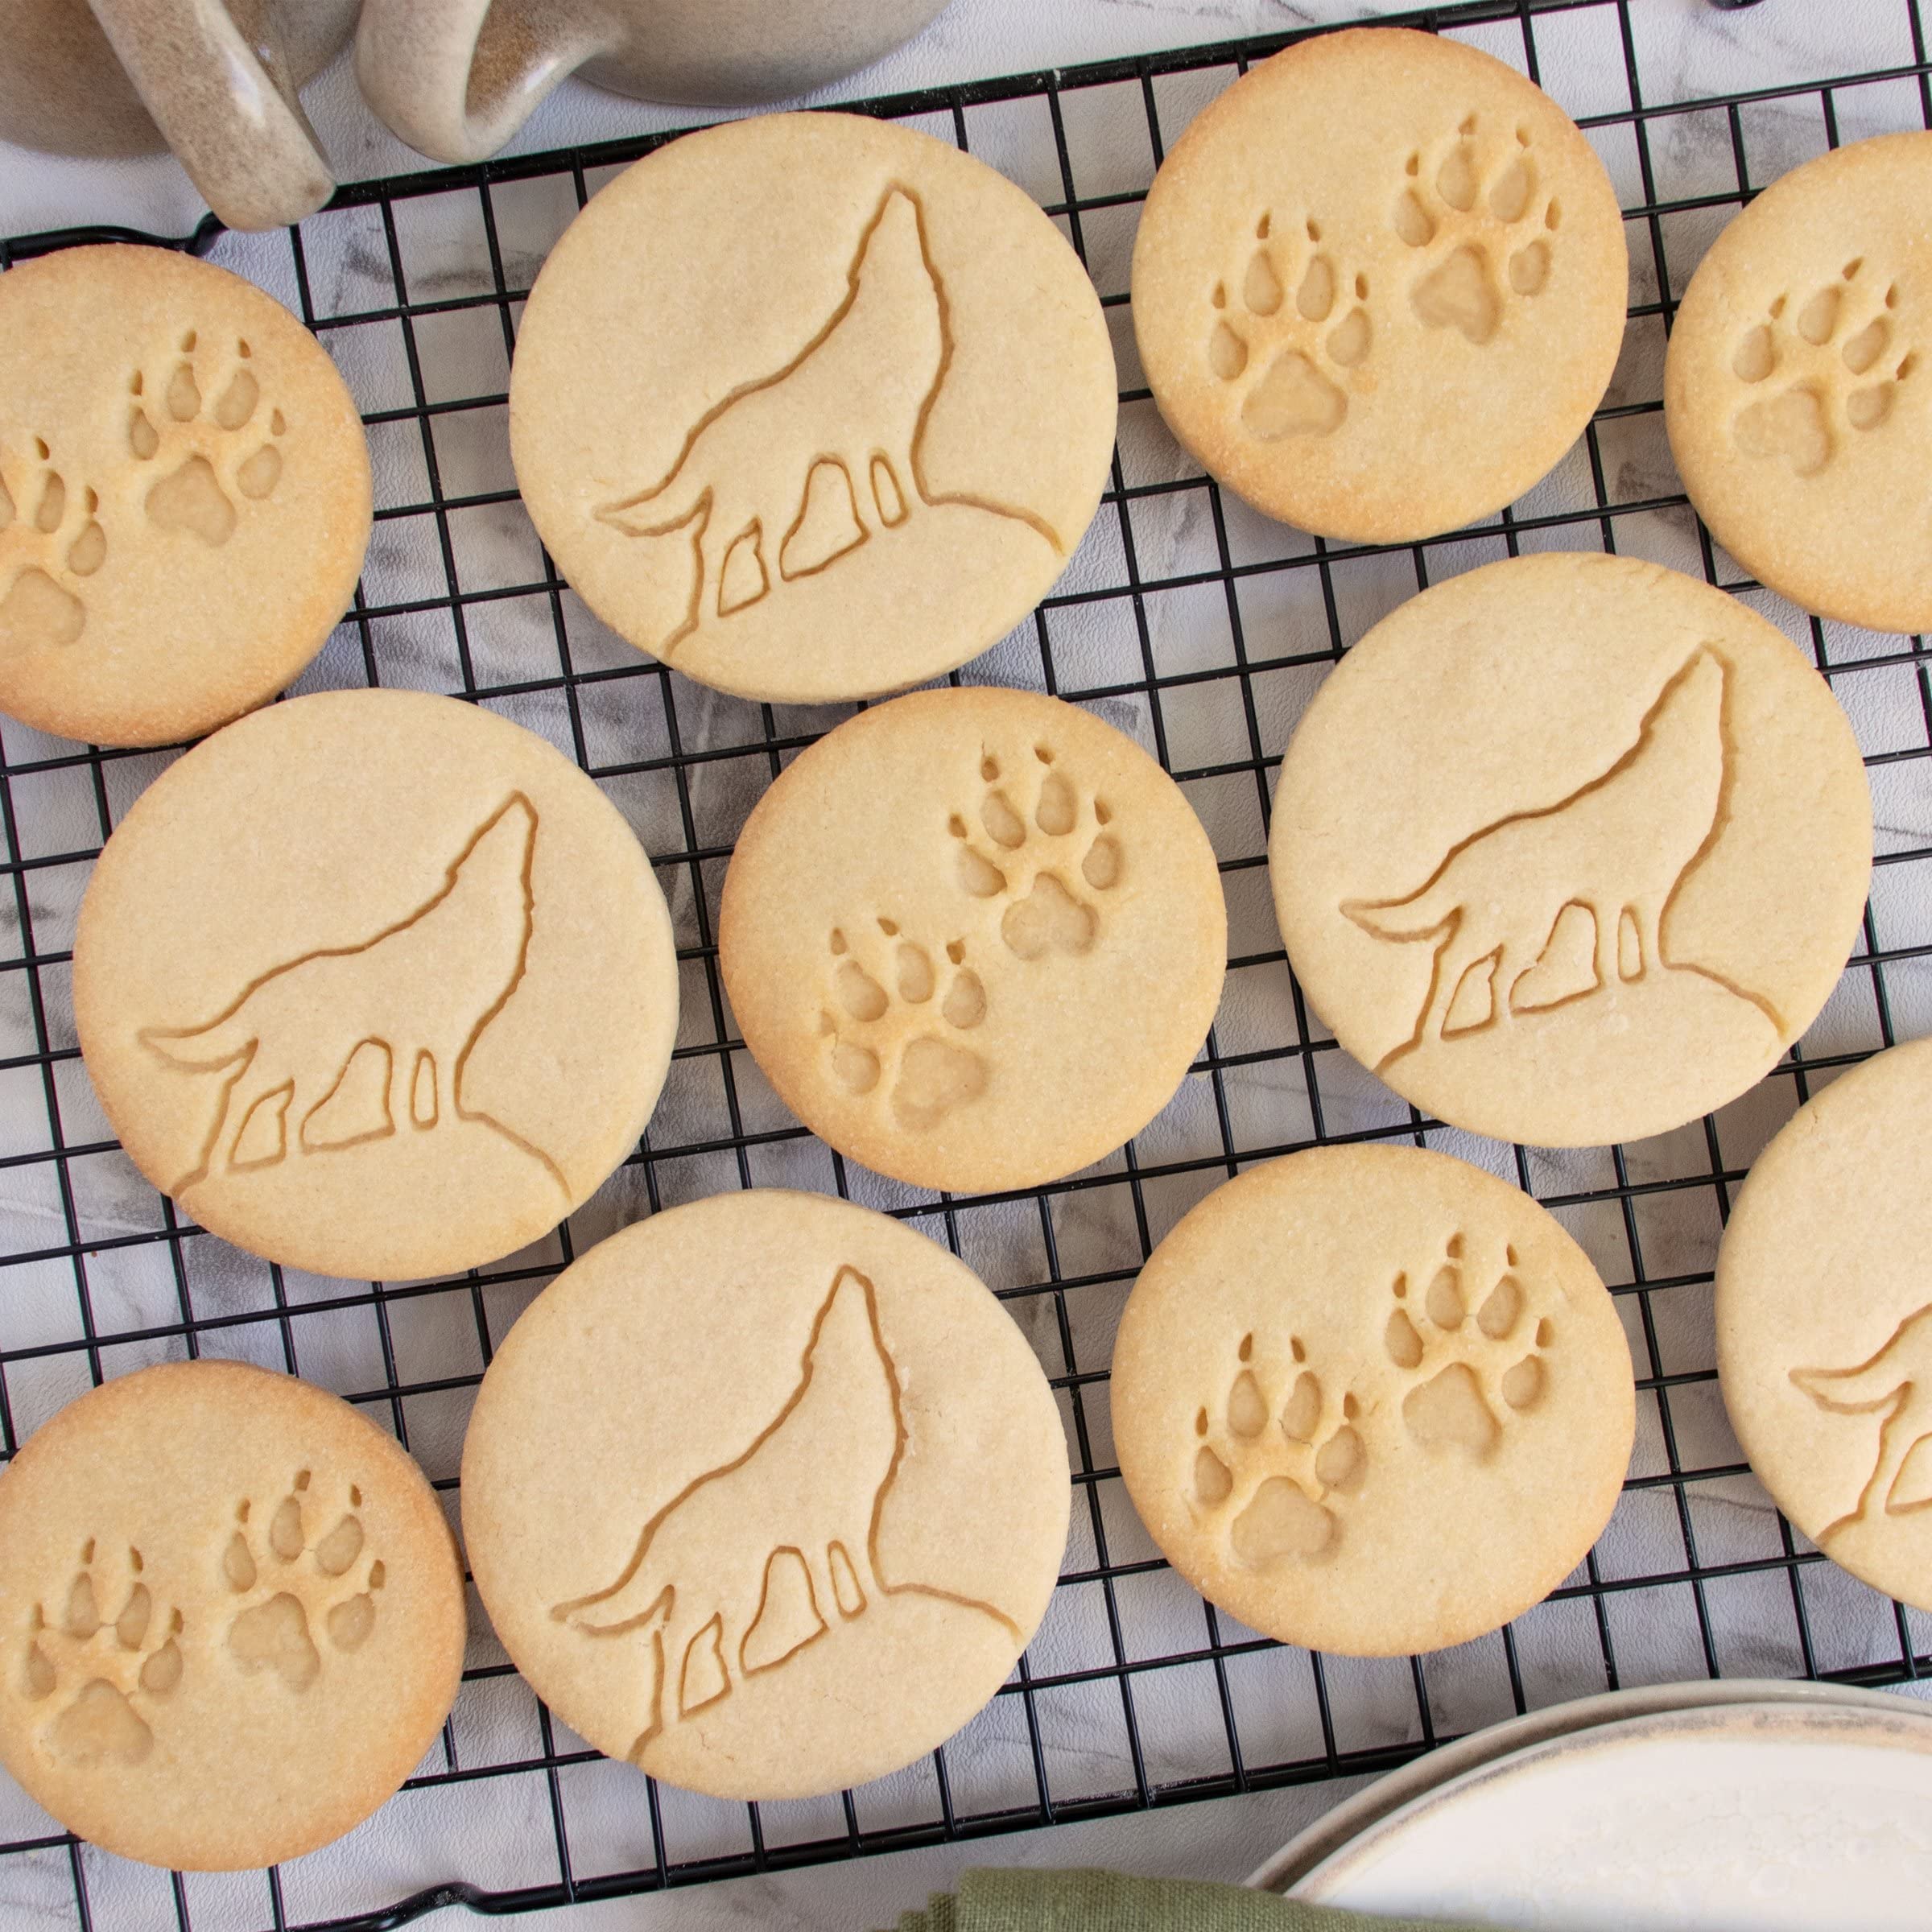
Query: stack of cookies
pixel 767 1494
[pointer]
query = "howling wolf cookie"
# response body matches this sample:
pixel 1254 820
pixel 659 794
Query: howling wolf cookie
pixel 1379 285
pixel 375 983
pixel 1571 849
pixel 184 495
pixel 812 406
pixel 974 938
pixel 766 1495
pixel 1824 1321
pixel 232 1615
pixel 1372 1400
pixel 1796 391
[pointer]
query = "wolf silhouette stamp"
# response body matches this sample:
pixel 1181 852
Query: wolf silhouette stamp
pixel 416 997
pixel 705 1567
pixel 1896 1386
pixel 1616 850
pixel 796 469
pixel 791 1521
pixel 812 407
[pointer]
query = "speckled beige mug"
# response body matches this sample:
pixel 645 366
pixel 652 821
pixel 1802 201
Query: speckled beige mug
pixel 456 78
pixel 215 83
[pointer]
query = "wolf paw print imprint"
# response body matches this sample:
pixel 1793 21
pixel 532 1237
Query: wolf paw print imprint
pixel 1474 1356
pixel 300 1582
pixel 1815 370
pixel 1035 842
pixel 103 1656
pixel 1287 330
pixel 51 543
pixel 1272 1454
pixel 890 1017
pixel 208 434
pixel 1482 227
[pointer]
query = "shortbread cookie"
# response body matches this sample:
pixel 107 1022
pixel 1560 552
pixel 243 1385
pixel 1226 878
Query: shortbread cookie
pixel 1824 1321
pixel 1797 393
pixel 232 1615
pixel 1379 285
pixel 766 1495
pixel 812 406
pixel 184 495
pixel 375 983
pixel 974 938
pixel 1571 849
pixel 1372 1400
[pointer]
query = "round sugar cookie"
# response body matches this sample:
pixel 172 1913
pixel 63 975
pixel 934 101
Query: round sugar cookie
pixel 232 1616
pixel 974 938
pixel 1824 1321
pixel 1797 393
pixel 1372 1400
pixel 1571 849
pixel 375 983
pixel 1379 285
pixel 184 495
pixel 812 406
pixel 766 1494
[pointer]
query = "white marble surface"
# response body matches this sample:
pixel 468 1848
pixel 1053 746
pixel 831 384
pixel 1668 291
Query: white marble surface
pixel 497 1831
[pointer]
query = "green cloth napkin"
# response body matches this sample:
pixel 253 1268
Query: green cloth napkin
pixel 1111 1901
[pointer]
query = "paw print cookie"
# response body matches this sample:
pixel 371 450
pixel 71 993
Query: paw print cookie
pixel 1379 285
pixel 184 495
pixel 938 929
pixel 1372 1400
pixel 231 1617
pixel 1794 390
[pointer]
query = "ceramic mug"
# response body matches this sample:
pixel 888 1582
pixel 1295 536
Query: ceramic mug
pixel 456 78
pixel 107 77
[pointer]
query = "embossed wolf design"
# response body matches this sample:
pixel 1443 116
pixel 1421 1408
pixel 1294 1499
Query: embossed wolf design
pixel 1898 1379
pixel 794 470
pixel 419 993
pixel 1618 847
pixel 808 1493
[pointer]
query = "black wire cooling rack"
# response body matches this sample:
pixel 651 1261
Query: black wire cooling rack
pixel 1202 629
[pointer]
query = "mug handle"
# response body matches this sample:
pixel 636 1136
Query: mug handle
pixel 438 76
pixel 229 109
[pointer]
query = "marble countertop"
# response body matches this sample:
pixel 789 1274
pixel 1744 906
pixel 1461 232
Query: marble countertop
pixel 1687 48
